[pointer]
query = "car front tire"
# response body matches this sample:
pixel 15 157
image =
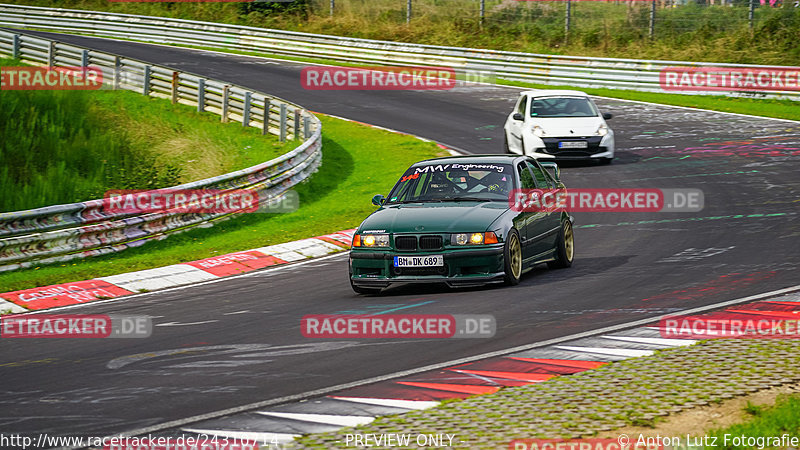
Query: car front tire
pixel 512 259
pixel 565 248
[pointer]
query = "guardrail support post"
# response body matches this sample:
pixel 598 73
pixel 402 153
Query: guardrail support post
pixel 201 95
pixel 751 14
pixel 265 125
pixel 15 47
pixel 175 84
pixel 566 21
pixel 51 54
pixel 226 93
pixel 117 70
pixel 283 123
pixel 408 12
pixel 248 98
pixel 85 59
pixel 306 128
pixel 483 11
pixel 146 81
pixel 332 5
pixel 297 124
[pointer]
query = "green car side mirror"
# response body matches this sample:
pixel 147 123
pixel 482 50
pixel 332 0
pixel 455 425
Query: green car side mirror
pixel 378 200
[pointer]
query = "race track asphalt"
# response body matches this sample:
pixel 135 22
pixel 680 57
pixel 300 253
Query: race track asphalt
pixel 238 340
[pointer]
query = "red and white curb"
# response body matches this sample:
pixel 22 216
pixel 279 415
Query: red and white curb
pixel 174 275
pixel 363 404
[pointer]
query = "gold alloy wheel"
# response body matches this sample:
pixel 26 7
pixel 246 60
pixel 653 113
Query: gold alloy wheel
pixel 569 241
pixel 515 253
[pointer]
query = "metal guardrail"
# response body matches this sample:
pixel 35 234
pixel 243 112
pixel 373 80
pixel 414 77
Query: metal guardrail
pixel 641 75
pixel 63 232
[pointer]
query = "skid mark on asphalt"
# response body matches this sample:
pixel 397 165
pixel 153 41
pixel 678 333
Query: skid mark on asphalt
pixel 687 219
pixel 369 309
pixel 695 254
pixel 692 175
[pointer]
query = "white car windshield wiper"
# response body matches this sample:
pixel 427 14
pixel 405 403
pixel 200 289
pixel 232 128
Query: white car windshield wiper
pixel 467 199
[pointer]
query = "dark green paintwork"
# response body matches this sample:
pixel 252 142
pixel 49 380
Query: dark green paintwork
pixel 372 268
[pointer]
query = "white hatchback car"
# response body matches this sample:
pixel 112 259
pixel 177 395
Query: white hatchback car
pixel 562 125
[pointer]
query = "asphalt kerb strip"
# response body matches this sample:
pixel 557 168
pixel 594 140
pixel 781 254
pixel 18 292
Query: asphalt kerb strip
pixel 632 391
pixel 78 292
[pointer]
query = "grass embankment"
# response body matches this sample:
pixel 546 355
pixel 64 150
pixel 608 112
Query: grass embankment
pixel 68 146
pixel 358 162
pixel 692 32
pixel 765 422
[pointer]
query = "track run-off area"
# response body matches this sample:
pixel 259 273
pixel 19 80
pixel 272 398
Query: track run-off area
pixel 235 341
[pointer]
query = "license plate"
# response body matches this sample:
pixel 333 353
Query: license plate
pixel 419 261
pixel 573 144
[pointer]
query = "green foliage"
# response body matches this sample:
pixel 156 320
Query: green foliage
pixel 68 146
pixel 766 421
pixel 55 149
pixel 753 410
pixel 695 31
pixel 337 197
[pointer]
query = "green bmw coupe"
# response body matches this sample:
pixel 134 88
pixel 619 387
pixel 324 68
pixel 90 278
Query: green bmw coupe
pixel 452 220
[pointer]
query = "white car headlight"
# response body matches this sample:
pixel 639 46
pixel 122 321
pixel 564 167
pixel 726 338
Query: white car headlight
pixel 538 131
pixel 602 130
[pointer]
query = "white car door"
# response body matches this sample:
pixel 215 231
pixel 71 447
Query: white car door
pixel 514 126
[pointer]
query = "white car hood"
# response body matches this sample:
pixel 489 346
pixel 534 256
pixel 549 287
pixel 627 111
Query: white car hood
pixel 572 126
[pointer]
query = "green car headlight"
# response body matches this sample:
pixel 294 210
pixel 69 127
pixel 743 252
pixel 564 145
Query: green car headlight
pixel 473 238
pixel 375 240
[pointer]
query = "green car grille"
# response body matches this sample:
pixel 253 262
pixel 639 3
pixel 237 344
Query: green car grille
pixel 412 243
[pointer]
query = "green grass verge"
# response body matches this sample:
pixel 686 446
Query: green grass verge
pixel 68 146
pixel 358 162
pixel 764 422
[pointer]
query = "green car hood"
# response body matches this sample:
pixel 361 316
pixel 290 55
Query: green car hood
pixel 434 217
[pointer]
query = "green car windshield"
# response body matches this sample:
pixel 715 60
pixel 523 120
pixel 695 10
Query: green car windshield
pixel 454 182
pixel 563 107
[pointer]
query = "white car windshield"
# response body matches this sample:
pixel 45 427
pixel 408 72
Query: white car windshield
pixel 563 107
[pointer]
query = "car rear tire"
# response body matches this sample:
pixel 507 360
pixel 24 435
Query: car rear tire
pixel 565 247
pixel 512 259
